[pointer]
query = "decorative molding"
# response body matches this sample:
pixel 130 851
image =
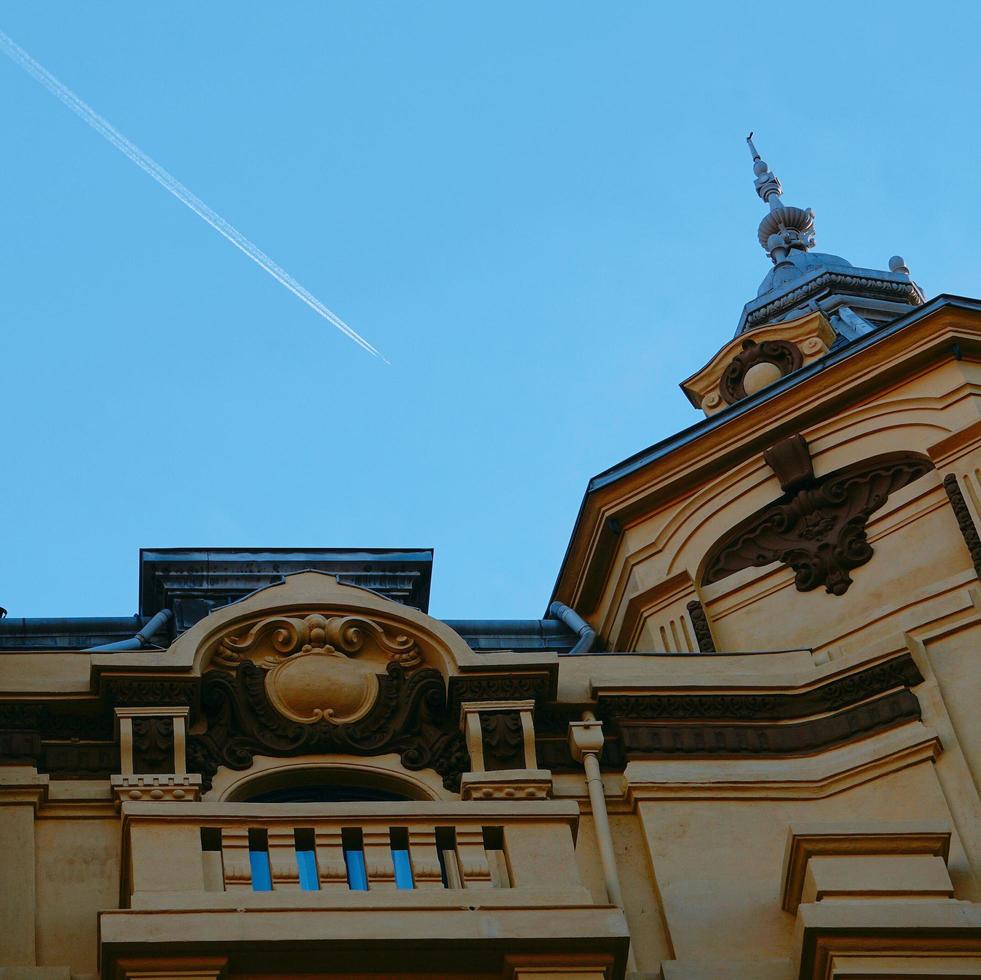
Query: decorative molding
pixel 507 784
pixel 964 520
pixel 647 739
pixel 159 788
pixel 888 675
pixel 700 624
pixel 912 940
pixel 409 717
pixel 148 691
pixel 806 777
pixel 873 286
pixel 819 529
pixel 498 687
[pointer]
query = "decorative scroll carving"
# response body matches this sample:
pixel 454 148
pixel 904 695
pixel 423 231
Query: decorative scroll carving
pixel 409 717
pixel 313 634
pixel 699 621
pixel 964 520
pixel 153 745
pixel 783 354
pixel 818 530
pixel 503 740
pixel 312 675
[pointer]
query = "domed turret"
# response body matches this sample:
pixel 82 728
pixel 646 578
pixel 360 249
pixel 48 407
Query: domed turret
pixel 801 280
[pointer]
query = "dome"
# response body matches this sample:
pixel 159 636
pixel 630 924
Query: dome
pixel 796 266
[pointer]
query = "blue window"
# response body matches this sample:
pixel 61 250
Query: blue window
pixel 306 859
pixel 400 857
pixel 259 860
pixel 353 843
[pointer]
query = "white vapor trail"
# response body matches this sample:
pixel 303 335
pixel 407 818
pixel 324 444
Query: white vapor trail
pixel 166 180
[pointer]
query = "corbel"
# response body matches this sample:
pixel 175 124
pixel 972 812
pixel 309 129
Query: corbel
pixel 153 755
pixel 500 737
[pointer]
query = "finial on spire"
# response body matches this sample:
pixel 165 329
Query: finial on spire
pixel 784 228
pixel 767 184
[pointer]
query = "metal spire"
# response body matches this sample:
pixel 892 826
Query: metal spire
pixel 785 227
pixel 766 183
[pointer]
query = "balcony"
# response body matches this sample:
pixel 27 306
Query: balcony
pixel 452 888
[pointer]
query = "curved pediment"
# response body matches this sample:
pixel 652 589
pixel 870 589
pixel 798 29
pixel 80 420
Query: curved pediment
pixel 312 609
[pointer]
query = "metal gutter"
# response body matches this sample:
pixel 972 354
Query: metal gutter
pixel 575 622
pixel 142 638
pixel 68 633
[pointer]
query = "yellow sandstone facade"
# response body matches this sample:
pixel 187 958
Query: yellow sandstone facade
pixel 763 765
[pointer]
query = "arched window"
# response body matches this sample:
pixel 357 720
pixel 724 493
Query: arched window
pixel 326 793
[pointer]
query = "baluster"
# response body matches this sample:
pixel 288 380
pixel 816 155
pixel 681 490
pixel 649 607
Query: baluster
pixel 378 857
pixel 235 854
pixel 424 857
pixel 330 858
pixel 473 857
pixel 282 857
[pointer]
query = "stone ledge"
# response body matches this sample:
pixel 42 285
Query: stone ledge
pixel 924 934
pixel 860 839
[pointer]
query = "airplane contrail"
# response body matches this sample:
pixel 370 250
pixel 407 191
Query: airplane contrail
pixel 166 180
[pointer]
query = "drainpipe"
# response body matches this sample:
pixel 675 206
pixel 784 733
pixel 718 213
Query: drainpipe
pixel 575 622
pixel 141 639
pixel 586 744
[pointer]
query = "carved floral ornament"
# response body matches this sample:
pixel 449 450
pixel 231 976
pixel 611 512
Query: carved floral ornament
pixel 817 527
pixel 319 667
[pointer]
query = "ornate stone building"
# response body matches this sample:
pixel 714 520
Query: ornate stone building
pixel 744 744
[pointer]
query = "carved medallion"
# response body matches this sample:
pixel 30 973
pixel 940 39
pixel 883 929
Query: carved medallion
pixel 311 674
pixel 818 529
pixel 782 356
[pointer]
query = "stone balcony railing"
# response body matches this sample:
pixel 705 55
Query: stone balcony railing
pixel 377 885
pixel 178 853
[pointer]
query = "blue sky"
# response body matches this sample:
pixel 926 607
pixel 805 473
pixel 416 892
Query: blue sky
pixel 542 213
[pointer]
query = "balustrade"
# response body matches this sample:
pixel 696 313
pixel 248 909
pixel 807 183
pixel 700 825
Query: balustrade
pixel 175 849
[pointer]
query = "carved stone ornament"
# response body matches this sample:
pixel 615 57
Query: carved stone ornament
pixel 311 676
pixel 504 740
pixel 699 622
pixel 964 520
pixel 408 716
pixel 784 355
pixel 818 529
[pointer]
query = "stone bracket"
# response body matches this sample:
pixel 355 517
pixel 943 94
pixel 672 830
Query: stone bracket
pixel 500 738
pixel 153 755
